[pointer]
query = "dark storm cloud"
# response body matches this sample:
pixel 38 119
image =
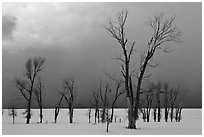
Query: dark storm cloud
pixel 8 26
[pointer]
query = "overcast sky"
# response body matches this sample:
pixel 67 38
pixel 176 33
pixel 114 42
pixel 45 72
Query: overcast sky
pixel 72 38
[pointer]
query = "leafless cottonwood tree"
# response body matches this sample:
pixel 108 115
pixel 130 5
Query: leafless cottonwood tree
pixel 38 91
pixel 57 108
pixel 107 116
pixel 26 86
pixel 179 103
pixel 70 94
pixel 164 31
pixel 173 96
pixel 143 111
pixel 117 30
pixel 118 91
pixel 104 93
pixel 166 100
pixel 12 113
pixel 158 92
pixel 95 102
pixel 155 113
pixel 149 98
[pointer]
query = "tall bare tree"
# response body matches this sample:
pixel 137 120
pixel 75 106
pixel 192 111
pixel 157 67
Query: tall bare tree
pixel 158 92
pixel 26 86
pixel 117 91
pixel 104 93
pixel 38 90
pixel 70 94
pixel 164 31
pixel 173 96
pixel 57 108
pixel 179 103
pixel 149 98
pixel 166 100
pixel 116 29
pixel 95 102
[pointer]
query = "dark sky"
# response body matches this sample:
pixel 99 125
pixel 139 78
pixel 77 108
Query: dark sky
pixel 72 38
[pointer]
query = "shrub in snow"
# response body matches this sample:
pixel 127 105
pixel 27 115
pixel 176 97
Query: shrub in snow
pixel 12 113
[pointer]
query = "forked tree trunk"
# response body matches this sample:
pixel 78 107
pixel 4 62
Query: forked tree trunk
pixel 179 118
pixel 131 117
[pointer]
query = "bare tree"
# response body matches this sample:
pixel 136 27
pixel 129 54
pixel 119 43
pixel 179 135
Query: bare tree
pixel 179 103
pixel 158 92
pixel 155 113
pixel 104 99
pixel 38 90
pixel 107 115
pixel 144 114
pixel 166 100
pixel 163 32
pixel 12 113
pixel 89 114
pixel 26 86
pixel 95 102
pixel 57 108
pixel 117 93
pixel 149 98
pixel 117 30
pixel 70 94
pixel 173 96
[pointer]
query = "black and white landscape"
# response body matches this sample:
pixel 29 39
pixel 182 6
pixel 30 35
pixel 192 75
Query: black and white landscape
pixel 101 68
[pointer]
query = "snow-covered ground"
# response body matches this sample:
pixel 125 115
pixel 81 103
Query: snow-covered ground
pixel 191 123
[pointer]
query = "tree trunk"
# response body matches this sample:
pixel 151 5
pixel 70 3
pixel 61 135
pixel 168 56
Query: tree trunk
pixel 148 114
pixel 131 117
pixel 148 118
pixel 56 113
pixel 107 117
pixel 179 118
pixel 71 115
pixel 166 115
pixel 28 113
pixel 98 116
pixel 103 114
pixel 171 115
pixel 159 112
pixel 41 115
pixel 112 109
pixel 95 114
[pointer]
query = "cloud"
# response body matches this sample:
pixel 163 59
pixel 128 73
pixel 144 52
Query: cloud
pixel 58 24
pixel 8 26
